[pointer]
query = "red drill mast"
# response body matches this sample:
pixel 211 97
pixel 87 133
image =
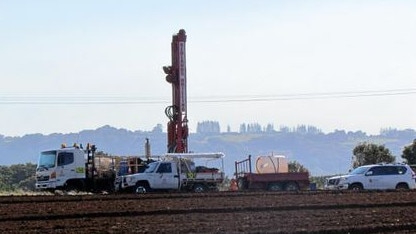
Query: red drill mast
pixel 176 75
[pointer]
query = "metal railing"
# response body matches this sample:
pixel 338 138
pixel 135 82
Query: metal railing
pixel 242 167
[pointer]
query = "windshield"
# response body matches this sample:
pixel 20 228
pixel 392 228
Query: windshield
pixel 359 170
pixel 47 159
pixel 151 167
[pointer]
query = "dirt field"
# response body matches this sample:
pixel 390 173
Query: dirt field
pixel 226 212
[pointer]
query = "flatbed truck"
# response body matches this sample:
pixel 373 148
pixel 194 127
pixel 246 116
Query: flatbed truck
pixel 176 172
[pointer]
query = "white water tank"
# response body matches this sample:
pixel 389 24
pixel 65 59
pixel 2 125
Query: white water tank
pixel 271 164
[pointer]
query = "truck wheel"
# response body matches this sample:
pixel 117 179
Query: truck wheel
pixel 356 187
pixel 402 186
pixel 275 187
pixel 241 184
pixel 71 187
pixel 141 188
pixel 199 188
pixel 292 186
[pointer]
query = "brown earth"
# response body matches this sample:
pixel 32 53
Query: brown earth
pixel 222 212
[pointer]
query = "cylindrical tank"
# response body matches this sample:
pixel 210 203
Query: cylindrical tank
pixel 271 164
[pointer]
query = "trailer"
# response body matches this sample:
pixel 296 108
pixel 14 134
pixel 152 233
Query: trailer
pixel 273 181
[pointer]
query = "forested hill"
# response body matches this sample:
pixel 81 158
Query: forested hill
pixel 322 154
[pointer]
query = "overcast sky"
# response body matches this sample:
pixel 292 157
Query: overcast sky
pixel 66 66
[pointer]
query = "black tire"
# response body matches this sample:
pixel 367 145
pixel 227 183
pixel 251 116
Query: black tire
pixel 292 186
pixel 275 187
pixel 402 186
pixel 356 187
pixel 119 188
pixel 71 187
pixel 199 188
pixel 241 184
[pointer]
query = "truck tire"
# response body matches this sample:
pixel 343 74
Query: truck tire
pixel 142 188
pixel 292 186
pixel 199 188
pixel 402 186
pixel 275 187
pixel 241 184
pixel 74 186
pixel 356 187
pixel 69 187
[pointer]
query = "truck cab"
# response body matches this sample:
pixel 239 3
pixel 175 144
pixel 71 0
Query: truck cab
pixel 57 167
pixel 75 168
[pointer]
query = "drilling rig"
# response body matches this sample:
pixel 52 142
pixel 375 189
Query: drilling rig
pixel 76 168
pixel 177 128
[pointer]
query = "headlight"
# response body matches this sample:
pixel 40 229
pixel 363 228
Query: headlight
pixel 343 180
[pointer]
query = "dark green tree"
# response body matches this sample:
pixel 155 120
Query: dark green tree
pixel 409 153
pixel 18 176
pixel 369 153
pixel 5 178
pixel 295 166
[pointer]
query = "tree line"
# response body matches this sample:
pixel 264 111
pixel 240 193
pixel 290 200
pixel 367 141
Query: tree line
pixel 213 127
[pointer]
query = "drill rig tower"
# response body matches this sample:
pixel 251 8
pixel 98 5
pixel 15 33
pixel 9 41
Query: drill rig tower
pixel 177 128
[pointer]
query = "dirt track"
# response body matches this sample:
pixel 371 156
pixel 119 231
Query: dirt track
pixel 250 212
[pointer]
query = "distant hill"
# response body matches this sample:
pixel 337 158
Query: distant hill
pixel 322 154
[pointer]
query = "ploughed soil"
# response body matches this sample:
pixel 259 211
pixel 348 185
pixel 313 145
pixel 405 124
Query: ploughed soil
pixel 220 212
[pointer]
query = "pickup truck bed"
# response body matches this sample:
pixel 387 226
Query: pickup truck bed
pixel 203 176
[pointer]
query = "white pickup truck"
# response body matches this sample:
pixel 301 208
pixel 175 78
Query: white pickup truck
pixel 176 172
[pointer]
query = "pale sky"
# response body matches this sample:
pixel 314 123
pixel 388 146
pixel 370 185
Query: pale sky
pixel 67 66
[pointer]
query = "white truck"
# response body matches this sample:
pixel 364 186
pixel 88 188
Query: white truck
pixel 76 168
pixel 177 171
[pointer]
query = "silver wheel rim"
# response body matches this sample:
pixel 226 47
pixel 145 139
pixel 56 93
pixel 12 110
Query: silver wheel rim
pixel 275 187
pixel 140 189
pixel 199 189
pixel 291 187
